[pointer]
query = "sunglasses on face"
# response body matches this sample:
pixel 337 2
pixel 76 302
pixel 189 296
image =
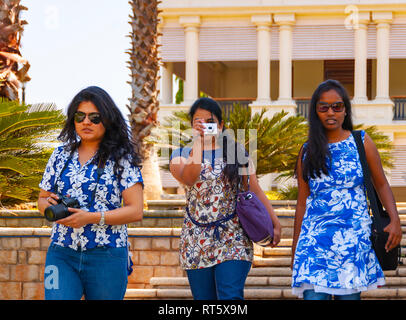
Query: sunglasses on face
pixel 94 117
pixel 337 107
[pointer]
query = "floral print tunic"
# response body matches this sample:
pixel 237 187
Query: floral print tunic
pixel 79 182
pixel 334 253
pixel 209 200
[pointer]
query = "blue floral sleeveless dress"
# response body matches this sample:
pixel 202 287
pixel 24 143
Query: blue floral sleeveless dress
pixel 334 253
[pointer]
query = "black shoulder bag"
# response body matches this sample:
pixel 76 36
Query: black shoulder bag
pixel 380 219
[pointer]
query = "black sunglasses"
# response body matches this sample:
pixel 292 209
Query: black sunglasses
pixel 337 107
pixel 94 117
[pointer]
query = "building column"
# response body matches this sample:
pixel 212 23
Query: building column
pixel 380 110
pixel 191 84
pixel 263 23
pixel 383 20
pixel 285 22
pixel 361 56
pixel 166 104
pixel 167 83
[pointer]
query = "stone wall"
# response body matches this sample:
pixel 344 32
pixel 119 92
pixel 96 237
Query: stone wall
pixel 23 252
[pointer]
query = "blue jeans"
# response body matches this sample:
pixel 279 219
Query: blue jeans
pixel 312 295
pixel 99 273
pixel 224 281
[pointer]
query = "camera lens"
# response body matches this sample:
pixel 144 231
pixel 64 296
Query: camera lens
pixel 56 212
pixel 49 214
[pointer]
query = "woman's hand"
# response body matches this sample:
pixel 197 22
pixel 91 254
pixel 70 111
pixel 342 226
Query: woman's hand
pixel 198 128
pixel 276 234
pixel 395 234
pixel 79 218
pixel 46 199
pixel 52 199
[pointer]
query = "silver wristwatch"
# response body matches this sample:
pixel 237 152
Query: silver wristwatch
pixel 101 222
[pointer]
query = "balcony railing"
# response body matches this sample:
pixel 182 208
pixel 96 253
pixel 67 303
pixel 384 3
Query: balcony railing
pixel 302 106
pixel 227 104
pixel 399 110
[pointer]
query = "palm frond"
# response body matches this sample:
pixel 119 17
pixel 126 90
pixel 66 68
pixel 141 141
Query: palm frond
pixel 382 142
pixel 24 152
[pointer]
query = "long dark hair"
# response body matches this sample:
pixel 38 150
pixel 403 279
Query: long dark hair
pixel 230 146
pixel 116 144
pixel 316 151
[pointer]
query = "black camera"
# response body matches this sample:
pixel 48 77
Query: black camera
pixel 60 210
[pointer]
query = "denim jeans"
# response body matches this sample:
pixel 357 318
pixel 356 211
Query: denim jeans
pixel 99 273
pixel 312 295
pixel 224 281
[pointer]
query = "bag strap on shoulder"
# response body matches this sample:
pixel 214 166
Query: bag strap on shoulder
pixel 374 201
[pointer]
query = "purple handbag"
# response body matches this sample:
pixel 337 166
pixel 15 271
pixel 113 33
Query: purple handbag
pixel 254 218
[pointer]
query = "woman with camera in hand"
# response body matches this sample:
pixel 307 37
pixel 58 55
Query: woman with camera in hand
pixel 98 169
pixel 214 249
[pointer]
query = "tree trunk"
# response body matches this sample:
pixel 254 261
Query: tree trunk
pixel 151 174
pixel 144 104
pixel 13 67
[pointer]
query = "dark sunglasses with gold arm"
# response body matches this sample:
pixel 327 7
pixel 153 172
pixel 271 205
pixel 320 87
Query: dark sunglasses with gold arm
pixel 94 117
pixel 336 106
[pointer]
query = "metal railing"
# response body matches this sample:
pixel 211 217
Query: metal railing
pixel 399 110
pixel 227 104
pixel 302 106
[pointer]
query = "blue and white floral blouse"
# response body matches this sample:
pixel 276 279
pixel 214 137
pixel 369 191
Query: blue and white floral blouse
pixel 79 182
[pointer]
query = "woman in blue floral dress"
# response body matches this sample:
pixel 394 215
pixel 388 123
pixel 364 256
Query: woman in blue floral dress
pixel 331 247
pixel 88 255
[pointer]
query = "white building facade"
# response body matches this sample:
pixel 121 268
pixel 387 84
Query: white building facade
pixel 272 54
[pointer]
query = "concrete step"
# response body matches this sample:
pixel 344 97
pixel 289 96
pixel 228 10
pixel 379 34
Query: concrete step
pixel 271 261
pixel 257 294
pixel 167 294
pixel 171 282
pixel 277 251
pixel 262 282
pixel 270 271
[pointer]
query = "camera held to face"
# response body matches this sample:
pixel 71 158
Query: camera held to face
pixel 210 128
pixel 60 210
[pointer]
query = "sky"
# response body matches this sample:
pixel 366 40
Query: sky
pixel 73 44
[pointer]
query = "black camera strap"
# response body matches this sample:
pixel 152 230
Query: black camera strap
pixel 374 202
pixel 100 171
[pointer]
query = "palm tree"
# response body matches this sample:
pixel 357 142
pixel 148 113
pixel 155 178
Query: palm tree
pixel 382 142
pixel 25 132
pixel 11 28
pixel 144 104
pixel 278 139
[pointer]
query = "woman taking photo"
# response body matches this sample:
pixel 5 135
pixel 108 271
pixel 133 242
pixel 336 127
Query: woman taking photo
pixel 214 249
pixel 331 247
pixel 98 167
